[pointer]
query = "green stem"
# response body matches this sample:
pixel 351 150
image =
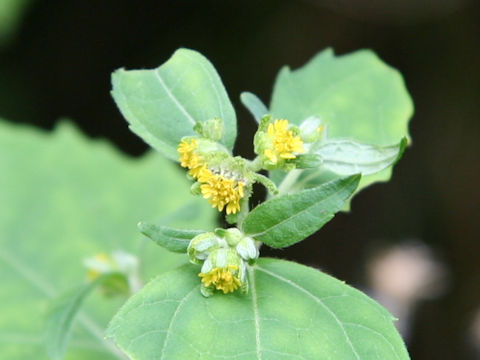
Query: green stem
pixel 288 181
pixel 244 208
pixel 255 165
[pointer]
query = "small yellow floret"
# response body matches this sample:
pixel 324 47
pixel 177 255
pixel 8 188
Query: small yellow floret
pixel 188 158
pixel 93 273
pixel 221 191
pixel 284 143
pixel 222 278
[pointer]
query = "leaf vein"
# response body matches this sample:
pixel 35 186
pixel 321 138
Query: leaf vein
pixel 174 99
pixel 318 300
pixel 174 316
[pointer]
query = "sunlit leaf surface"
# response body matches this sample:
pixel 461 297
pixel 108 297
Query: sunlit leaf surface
pixel 162 105
pixel 291 312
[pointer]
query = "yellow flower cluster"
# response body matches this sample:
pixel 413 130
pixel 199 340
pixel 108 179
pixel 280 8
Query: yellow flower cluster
pixel 188 158
pixel 221 191
pixel 222 278
pixel 284 143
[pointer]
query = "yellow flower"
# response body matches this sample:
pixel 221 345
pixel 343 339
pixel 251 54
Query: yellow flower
pixel 224 279
pixel 188 158
pixel 284 143
pixel 221 191
pixel 97 265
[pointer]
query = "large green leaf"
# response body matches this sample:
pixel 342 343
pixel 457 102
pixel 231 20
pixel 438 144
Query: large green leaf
pixel 357 96
pixel 290 312
pixel 64 198
pixel 162 105
pixel 287 219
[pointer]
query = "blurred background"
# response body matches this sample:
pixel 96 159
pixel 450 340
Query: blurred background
pixel 413 243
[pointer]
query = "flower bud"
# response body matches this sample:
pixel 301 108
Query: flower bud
pixel 311 129
pixel 202 245
pixel 121 268
pixel 246 249
pixel 232 235
pixel 212 129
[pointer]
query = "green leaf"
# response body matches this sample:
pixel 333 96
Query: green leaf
pixel 308 161
pixel 254 105
pixel 291 312
pixel 65 198
pixel 162 105
pixel 357 96
pixel 175 240
pixel 287 219
pixel 60 316
pixel 345 157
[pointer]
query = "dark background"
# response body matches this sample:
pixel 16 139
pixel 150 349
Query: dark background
pixel 59 60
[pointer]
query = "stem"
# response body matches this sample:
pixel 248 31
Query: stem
pixel 244 208
pixel 288 181
pixel 255 165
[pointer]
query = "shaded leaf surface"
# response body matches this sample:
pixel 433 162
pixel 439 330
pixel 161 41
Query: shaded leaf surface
pixel 162 105
pixel 347 157
pixel 287 219
pixel 64 198
pixel 357 96
pixel 290 312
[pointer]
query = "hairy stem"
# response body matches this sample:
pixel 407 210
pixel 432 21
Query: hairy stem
pixel 288 181
pixel 255 165
pixel 244 208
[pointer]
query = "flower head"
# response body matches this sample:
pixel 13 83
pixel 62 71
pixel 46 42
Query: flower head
pixel 224 279
pixel 223 270
pixel 221 190
pixel 283 143
pixel 119 269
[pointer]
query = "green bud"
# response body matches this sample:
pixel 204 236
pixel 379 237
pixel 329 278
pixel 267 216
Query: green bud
pixel 232 235
pixel 195 189
pixel 212 129
pixel 246 249
pixel 202 245
pixel 208 146
pixel 311 129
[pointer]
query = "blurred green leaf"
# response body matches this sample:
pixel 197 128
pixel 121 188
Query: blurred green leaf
pixel 287 219
pixel 64 198
pixel 163 105
pixel 357 96
pixel 60 316
pixel 175 240
pixel 290 312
